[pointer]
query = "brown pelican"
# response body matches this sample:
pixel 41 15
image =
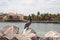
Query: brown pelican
pixel 28 23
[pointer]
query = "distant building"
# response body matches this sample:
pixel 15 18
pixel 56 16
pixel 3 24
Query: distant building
pixel 2 17
pixel 13 17
pixel 21 16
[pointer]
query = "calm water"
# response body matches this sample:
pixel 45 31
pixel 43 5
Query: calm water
pixel 40 28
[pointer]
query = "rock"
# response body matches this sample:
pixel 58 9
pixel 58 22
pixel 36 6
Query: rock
pixel 14 38
pixel 30 33
pixel 24 38
pixel 35 38
pixel 50 38
pixel 21 37
pixel 52 34
pixel 9 31
pixel 17 36
pixel 12 33
pixel 42 38
pixel 3 38
pixel 56 38
pixel 1 33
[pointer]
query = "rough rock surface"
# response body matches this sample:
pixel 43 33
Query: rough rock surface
pixel 3 38
pixel 49 38
pixel 9 31
pixel 27 35
pixel 30 33
pixel 12 33
pixel 14 38
pixel 52 34
pixel 1 33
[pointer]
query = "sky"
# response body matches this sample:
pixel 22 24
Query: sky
pixel 30 6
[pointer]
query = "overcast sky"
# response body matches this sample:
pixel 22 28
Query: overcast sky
pixel 30 6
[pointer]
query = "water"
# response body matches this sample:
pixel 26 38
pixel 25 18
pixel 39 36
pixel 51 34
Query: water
pixel 40 28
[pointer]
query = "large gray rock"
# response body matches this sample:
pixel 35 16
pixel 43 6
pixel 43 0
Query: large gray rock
pixel 1 33
pixel 30 33
pixel 9 31
pixel 56 38
pixel 49 38
pixel 3 38
pixel 12 33
pixel 52 34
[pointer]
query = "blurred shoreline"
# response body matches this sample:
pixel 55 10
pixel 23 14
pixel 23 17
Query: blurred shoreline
pixel 36 21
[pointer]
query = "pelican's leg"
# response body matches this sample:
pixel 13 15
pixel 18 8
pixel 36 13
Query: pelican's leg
pixel 27 28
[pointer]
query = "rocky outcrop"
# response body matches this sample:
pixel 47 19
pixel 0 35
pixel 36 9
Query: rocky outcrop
pixel 49 38
pixel 1 33
pixel 9 31
pixel 12 33
pixel 52 34
pixel 30 33
pixel 14 38
pixel 3 38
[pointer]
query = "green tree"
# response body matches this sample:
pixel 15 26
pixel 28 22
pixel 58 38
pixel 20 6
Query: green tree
pixel 58 17
pixel 25 17
pixel 38 13
pixel 33 17
pixel 10 17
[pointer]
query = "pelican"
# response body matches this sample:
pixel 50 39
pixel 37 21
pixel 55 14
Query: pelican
pixel 28 23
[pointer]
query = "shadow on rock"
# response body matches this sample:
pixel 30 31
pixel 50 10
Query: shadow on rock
pixel 3 38
pixel 14 38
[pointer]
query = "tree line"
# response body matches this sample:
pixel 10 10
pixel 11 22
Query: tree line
pixel 44 17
